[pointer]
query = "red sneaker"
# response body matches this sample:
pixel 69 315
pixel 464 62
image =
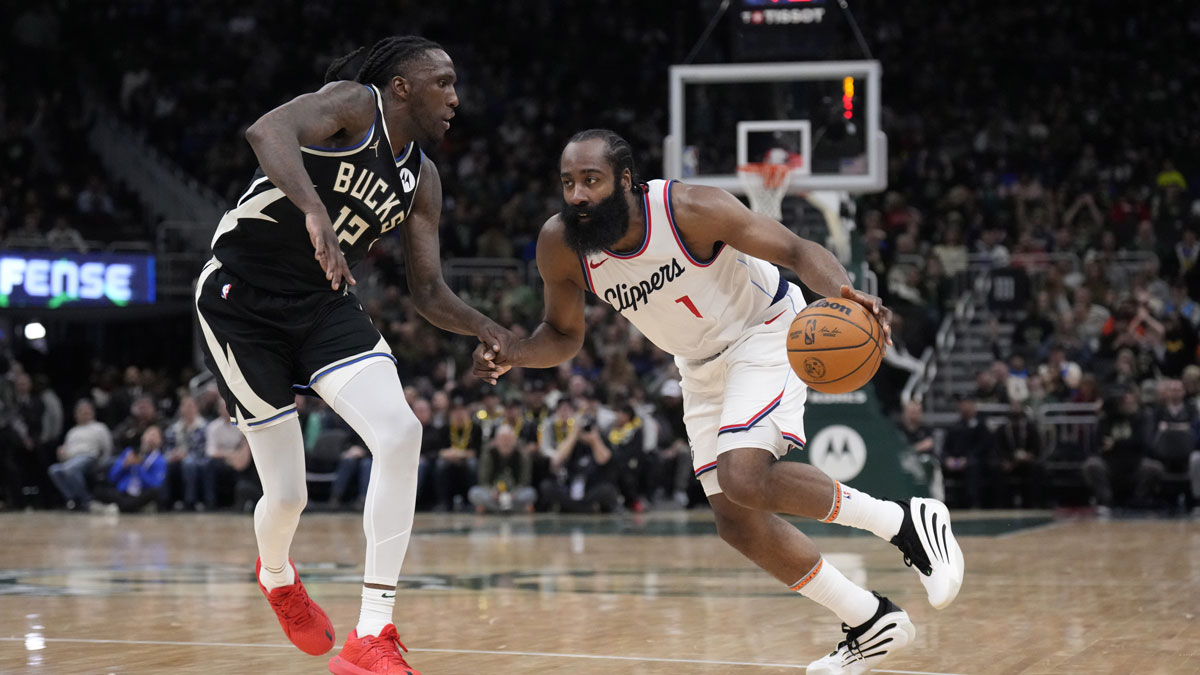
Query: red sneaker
pixel 372 655
pixel 304 623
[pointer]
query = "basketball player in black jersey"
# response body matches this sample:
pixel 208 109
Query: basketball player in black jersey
pixel 338 168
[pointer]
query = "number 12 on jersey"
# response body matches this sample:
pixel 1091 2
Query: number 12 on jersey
pixel 687 302
pixel 352 230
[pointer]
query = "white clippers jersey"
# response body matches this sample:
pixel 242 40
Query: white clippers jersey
pixel 688 307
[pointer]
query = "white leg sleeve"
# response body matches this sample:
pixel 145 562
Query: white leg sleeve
pixel 278 452
pixel 372 403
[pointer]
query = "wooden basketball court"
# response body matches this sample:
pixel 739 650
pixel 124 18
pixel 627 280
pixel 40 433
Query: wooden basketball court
pixel 658 594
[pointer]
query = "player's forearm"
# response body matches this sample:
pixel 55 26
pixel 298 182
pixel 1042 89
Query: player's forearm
pixel 442 308
pixel 820 270
pixel 278 153
pixel 546 348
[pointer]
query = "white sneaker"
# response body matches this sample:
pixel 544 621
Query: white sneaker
pixel 929 546
pixel 869 645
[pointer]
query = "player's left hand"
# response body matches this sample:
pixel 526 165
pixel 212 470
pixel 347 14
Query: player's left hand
pixel 326 250
pixel 485 367
pixel 875 306
pixel 498 340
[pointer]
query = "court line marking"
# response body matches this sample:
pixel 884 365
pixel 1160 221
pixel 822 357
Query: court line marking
pixel 489 652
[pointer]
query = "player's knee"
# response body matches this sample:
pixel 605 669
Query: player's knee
pixel 287 502
pixel 741 478
pixel 409 429
pixel 401 442
pixel 736 487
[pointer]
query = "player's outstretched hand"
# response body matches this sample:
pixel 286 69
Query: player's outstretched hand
pixel 485 366
pixel 498 340
pixel 875 306
pixel 327 252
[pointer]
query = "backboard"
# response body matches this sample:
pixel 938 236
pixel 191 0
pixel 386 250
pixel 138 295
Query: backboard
pixel 822 117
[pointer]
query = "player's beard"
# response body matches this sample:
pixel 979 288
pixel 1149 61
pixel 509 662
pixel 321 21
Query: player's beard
pixel 607 221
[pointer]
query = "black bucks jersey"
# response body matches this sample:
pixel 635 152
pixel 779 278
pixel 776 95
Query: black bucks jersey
pixel 367 191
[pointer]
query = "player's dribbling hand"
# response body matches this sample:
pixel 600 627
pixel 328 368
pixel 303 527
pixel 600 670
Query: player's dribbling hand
pixel 326 249
pixel 875 306
pixel 485 367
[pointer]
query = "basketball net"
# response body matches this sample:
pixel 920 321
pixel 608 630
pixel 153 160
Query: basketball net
pixel 765 186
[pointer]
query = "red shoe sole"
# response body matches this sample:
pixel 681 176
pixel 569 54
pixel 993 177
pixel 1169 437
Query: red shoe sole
pixel 340 666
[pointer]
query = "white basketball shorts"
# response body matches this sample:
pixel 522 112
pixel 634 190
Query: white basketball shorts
pixel 746 397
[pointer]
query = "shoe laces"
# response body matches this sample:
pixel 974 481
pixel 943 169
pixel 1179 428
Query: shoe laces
pixel 909 562
pixel 850 644
pixel 910 545
pixel 294 604
pixel 387 647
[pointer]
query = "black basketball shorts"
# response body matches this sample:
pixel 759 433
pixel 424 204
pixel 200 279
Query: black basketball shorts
pixel 264 347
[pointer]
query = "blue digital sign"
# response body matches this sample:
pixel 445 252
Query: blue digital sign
pixel 54 279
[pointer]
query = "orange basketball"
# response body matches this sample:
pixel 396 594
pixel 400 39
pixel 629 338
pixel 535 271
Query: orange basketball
pixel 835 345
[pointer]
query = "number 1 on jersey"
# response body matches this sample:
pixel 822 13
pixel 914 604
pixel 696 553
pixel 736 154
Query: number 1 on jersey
pixel 688 303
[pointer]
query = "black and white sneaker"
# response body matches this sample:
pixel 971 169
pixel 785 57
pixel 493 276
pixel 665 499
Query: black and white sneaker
pixel 868 645
pixel 929 547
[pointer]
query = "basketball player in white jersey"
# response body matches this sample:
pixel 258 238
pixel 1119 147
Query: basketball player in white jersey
pixel 694 270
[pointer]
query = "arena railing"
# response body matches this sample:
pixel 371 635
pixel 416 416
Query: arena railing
pixel 459 271
pixel 163 187
pixel 1076 424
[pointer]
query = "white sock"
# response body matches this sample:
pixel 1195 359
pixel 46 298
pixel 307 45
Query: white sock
pixel 859 509
pixel 828 587
pixel 272 579
pixel 376 612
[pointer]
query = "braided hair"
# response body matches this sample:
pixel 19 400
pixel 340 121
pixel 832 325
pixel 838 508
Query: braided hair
pixel 387 58
pixel 619 155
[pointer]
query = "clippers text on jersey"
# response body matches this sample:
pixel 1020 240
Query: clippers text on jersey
pixel 624 296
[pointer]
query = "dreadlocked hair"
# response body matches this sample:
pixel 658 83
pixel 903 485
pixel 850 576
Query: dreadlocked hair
pixel 381 62
pixel 619 155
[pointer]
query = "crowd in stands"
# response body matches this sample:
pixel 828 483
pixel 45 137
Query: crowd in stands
pixel 1027 174
pixel 54 192
pixel 1139 451
pixel 1035 164
pixel 151 443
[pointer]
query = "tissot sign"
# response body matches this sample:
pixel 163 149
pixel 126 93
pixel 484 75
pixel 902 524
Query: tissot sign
pixel 784 30
pixel 54 279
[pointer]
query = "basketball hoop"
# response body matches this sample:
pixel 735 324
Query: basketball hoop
pixel 765 186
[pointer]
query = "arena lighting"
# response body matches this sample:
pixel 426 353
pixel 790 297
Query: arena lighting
pixel 34 331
